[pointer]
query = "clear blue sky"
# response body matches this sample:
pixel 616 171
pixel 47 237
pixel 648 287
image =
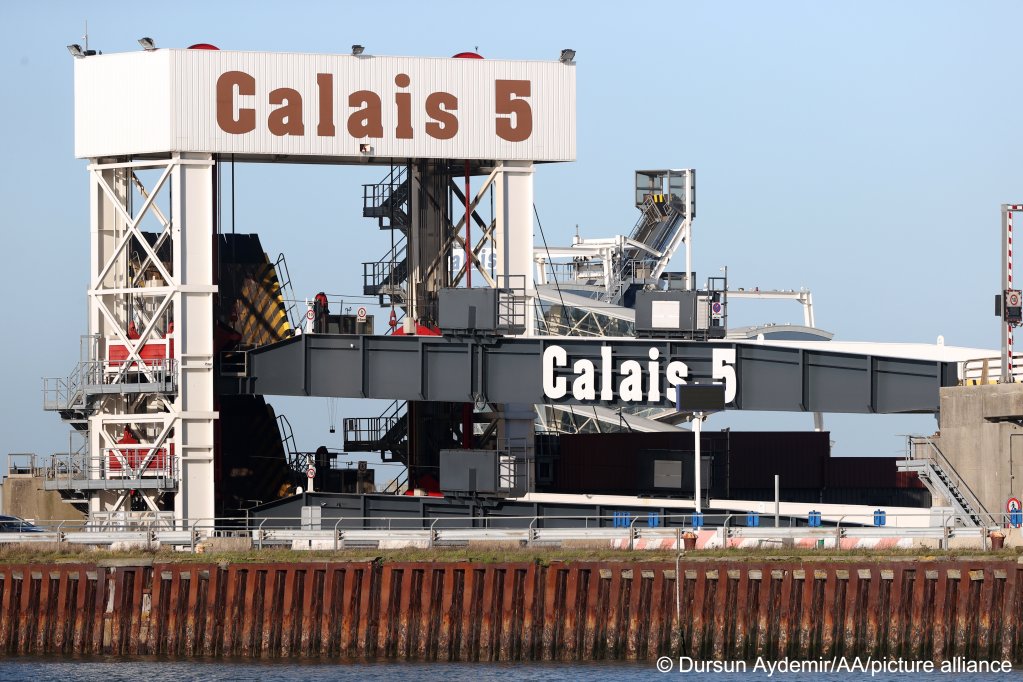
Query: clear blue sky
pixel 858 149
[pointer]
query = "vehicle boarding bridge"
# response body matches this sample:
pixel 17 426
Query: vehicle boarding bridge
pixel 188 328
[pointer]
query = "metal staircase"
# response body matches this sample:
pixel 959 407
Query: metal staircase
pixel 387 276
pixel 388 202
pixel 941 479
pixel 386 434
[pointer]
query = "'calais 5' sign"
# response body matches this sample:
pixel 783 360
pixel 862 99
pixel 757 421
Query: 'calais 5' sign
pixel 630 381
pixel 280 105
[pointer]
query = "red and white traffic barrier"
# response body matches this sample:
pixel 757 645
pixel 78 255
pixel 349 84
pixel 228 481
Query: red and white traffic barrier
pixel 710 539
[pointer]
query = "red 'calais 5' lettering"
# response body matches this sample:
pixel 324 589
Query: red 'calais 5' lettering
pixel 513 121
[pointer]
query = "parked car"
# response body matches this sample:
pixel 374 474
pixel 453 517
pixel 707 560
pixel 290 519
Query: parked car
pixel 12 524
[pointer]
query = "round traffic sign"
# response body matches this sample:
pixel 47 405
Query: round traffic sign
pixel 1013 505
pixel 716 307
pixel 310 314
pixel 1013 299
pixel 361 312
pixel 310 472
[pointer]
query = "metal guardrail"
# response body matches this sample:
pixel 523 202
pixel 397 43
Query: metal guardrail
pixel 153 466
pixel 99 377
pixel 988 370
pixel 299 533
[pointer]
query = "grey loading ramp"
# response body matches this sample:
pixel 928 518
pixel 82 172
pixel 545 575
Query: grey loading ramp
pixel 510 370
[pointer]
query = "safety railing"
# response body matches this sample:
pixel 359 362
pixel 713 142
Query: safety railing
pixel 386 276
pixel 138 461
pixel 988 370
pixel 629 270
pixel 94 377
pixel 589 272
pixel 511 304
pixel 628 526
pixel 116 465
pixel 367 430
pixel 374 432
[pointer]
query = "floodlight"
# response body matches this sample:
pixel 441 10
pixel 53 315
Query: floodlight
pixel 147 44
pixel 567 56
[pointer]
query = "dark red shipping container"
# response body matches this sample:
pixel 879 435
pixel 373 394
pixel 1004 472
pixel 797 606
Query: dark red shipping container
pixel 797 457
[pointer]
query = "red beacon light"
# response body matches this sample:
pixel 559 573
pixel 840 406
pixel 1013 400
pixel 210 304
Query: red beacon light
pixel 467 55
pixel 203 46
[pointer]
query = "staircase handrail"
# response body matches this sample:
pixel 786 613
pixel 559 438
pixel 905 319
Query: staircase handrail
pixel 950 471
pixel 378 194
pixel 396 483
pixel 291 453
pixel 294 315
pixel 647 212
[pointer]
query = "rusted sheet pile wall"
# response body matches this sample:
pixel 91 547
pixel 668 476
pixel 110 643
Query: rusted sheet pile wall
pixel 517 611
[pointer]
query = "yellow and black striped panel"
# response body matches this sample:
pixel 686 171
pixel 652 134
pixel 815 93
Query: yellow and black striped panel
pixel 251 302
pixel 262 314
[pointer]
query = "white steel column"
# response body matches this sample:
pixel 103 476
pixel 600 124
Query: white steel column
pixel 193 303
pixel 513 234
pixel 513 254
pixel 167 303
pixel 697 464
pixel 106 225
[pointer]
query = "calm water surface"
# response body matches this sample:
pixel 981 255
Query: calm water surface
pixel 154 670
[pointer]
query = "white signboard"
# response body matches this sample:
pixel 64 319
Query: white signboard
pixel 665 314
pixel 278 105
